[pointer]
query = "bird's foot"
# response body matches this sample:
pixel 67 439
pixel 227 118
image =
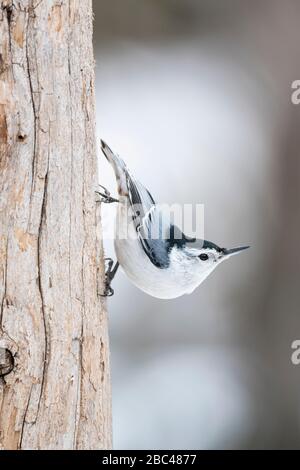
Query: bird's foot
pixel 108 291
pixel 104 195
pixel 109 275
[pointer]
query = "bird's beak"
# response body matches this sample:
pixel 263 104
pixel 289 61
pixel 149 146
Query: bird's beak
pixel 233 251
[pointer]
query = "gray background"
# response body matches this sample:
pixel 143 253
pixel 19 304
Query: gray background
pixel 195 95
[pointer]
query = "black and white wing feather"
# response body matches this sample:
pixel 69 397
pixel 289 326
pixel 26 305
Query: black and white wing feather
pixel 150 224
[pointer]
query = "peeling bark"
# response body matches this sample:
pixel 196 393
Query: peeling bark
pixel 51 319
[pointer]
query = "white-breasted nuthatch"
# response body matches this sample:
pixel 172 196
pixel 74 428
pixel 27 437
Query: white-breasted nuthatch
pixel 155 254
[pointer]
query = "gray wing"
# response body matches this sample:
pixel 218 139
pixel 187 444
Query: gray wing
pixel 149 223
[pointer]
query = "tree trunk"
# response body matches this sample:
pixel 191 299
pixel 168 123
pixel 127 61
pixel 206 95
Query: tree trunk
pixel 53 325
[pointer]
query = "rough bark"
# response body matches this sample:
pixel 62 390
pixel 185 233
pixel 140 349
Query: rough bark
pixel 51 318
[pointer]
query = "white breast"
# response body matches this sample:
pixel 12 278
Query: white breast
pixel 166 283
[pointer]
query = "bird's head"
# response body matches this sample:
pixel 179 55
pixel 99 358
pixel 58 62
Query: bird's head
pixel 195 259
pixel 205 256
pixel 208 252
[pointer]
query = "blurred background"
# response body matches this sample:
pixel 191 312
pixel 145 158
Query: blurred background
pixel 195 95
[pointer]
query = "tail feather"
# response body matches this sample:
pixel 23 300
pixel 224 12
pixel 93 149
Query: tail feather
pixel 119 168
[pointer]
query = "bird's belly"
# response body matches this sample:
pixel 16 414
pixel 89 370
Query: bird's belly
pixel 160 283
pixel 140 270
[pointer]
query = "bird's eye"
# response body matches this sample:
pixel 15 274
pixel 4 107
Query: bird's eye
pixel 203 257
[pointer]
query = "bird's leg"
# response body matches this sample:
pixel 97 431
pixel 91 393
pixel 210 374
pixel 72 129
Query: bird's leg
pixel 109 275
pixel 104 196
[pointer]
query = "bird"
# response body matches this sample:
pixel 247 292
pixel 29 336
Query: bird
pixel 154 253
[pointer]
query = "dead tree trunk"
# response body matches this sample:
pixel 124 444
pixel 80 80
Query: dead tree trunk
pixel 53 327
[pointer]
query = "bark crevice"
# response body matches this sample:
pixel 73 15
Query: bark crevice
pixel 43 309
pixel 32 98
pixel 24 419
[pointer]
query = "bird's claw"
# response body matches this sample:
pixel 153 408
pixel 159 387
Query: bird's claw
pixel 105 196
pixel 109 275
pixel 108 292
pixel 110 263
